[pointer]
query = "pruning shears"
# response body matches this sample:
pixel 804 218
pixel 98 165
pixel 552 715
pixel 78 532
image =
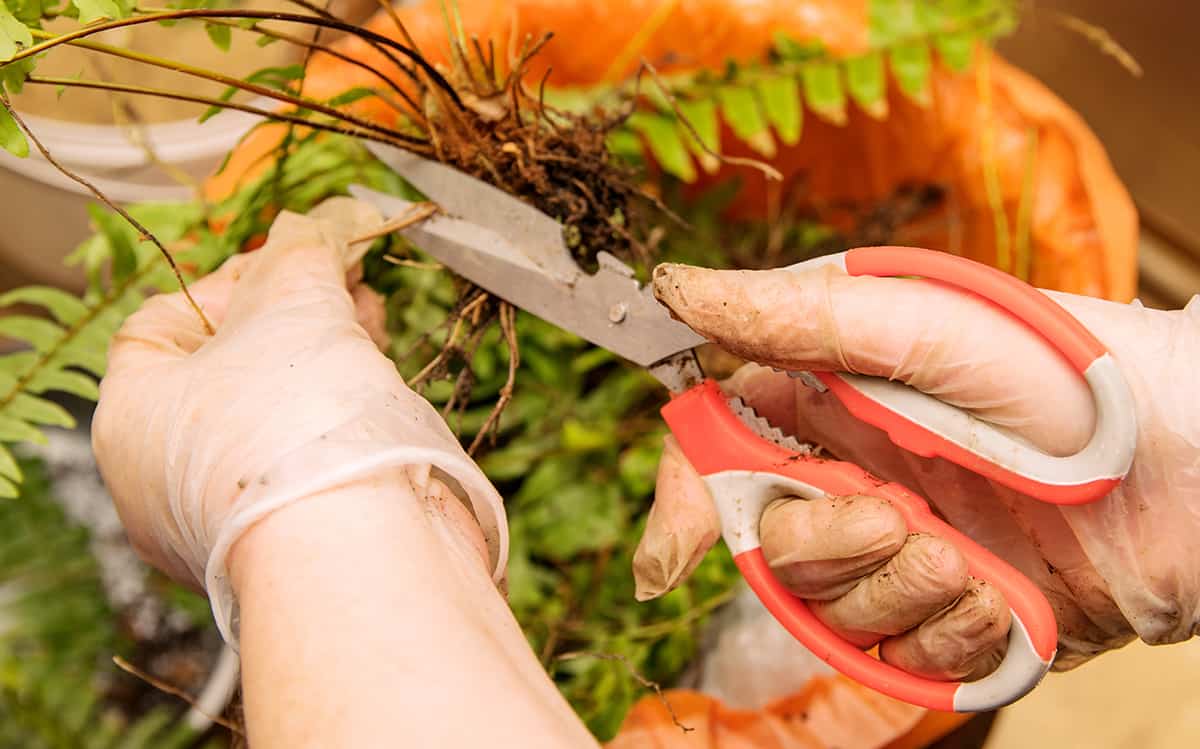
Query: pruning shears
pixel 518 253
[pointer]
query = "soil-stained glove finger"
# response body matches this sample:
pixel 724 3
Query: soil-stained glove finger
pixel 682 526
pixel 926 576
pixel 886 327
pixel 965 641
pixel 821 549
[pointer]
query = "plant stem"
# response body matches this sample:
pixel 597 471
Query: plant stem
pixel 143 232
pixel 209 13
pixel 326 49
pixel 196 99
pixel 254 88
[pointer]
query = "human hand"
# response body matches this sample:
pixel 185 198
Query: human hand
pixel 1122 567
pixel 200 437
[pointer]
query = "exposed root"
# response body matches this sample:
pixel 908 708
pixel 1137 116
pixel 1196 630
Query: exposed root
pixel 508 325
pixel 162 686
pixel 647 683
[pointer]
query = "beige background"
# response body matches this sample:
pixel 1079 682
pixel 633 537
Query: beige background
pixel 1138 697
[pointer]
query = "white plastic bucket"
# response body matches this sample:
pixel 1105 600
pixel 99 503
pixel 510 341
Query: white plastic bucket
pixel 44 213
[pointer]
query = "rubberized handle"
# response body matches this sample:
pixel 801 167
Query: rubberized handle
pixel 745 473
pixel 928 427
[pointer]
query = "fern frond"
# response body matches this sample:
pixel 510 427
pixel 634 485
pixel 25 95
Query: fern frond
pixel 763 103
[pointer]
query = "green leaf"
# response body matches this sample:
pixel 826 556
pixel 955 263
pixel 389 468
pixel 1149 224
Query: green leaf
pixel 780 96
pixel 9 468
pixel 94 10
pixel 117 231
pixel 701 114
pixel 665 143
pixel 15 430
pixel 12 75
pixel 351 96
pixel 14 35
pixel 890 21
pixel 583 516
pixel 911 65
pixel 11 137
pixel 264 40
pixel 744 115
pixel 866 80
pixel 956 49
pixel 9 489
pixel 66 308
pixel 221 36
pixel 37 410
pixel 824 92
pixel 43 335
pixel 66 381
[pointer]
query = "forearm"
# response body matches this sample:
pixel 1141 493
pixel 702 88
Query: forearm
pixel 364 623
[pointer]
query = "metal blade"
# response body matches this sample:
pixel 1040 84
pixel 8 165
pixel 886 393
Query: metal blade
pixel 609 308
pixel 537 235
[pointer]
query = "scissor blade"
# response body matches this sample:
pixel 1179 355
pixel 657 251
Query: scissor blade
pixel 538 236
pixel 609 308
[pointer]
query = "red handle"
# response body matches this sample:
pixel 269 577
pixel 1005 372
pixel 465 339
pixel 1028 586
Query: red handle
pixel 738 464
pixel 928 427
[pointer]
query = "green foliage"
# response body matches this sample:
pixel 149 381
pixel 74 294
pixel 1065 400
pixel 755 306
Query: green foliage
pixel 57 636
pixel 764 101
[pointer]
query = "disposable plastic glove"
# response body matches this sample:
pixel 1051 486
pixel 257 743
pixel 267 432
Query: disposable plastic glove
pixel 1126 566
pixel 199 437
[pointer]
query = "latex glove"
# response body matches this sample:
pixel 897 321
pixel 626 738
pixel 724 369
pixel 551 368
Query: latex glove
pixel 199 437
pixel 1126 566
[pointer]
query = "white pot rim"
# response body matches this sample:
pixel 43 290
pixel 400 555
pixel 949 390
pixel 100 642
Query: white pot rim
pixel 102 153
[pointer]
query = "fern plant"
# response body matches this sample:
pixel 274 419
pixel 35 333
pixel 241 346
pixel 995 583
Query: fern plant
pixel 57 636
pixel 577 411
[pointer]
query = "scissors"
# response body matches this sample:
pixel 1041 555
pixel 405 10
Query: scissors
pixel 518 253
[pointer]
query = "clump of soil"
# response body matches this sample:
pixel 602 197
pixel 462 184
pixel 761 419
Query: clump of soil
pixel 559 162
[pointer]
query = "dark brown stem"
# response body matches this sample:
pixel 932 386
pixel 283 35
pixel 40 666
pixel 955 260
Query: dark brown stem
pixel 265 91
pixel 314 46
pixel 143 232
pixel 325 21
pixel 212 101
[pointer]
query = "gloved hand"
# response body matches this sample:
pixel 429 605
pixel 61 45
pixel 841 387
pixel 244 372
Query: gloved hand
pixel 1126 566
pixel 199 437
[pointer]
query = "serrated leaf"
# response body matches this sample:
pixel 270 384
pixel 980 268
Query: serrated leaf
pixel 11 137
pixel 66 381
pixel 824 92
pixel 43 335
pixel 14 35
pixel 911 65
pixel 94 10
pixel 701 114
pixel 956 49
pixel 866 80
pixel 221 36
pixel 65 307
pixel 781 100
pixel 9 468
pixel 15 430
pixel 665 143
pixel 744 114
pixel 37 410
